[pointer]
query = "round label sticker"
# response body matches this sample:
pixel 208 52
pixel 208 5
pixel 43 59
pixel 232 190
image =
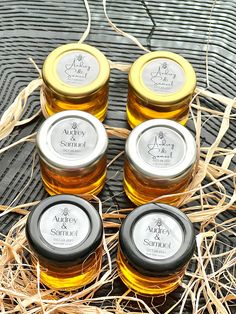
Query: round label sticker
pixel 64 225
pixel 78 68
pixel 163 76
pixel 161 147
pixel 157 236
pixel 73 138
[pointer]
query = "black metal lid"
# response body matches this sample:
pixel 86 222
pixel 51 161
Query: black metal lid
pixel 64 228
pixel 157 239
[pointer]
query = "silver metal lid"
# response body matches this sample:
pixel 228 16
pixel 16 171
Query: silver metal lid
pixel 71 140
pixel 161 149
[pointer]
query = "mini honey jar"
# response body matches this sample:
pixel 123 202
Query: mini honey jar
pixel 76 77
pixel 156 243
pixel 72 151
pixel 161 85
pixel 65 234
pixel 160 158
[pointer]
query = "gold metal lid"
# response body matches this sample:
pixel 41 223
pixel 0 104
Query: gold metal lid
pixel 75 70
pixel 162 78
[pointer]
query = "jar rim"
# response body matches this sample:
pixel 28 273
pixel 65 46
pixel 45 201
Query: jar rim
pixel 58 86
pixel 153 266
pixel 155 98
pixel 45 140
pixel 75 253
pixel 184 143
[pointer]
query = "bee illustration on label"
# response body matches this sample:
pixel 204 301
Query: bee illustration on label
pixel 161 136
pixel 74 125
pixel 157 147
pixel 157 222
pixel 77 69
pixel 75 131
pixel 65 211
pixel 163 76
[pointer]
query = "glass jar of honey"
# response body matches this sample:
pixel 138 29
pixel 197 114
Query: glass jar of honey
pixel 160 158
pixel 65 234
pixel 161 85
pixel 72 151
pixel 156 243
pixel 76 77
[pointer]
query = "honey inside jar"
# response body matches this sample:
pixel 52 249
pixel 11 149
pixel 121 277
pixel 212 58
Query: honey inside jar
pixel 65 235
pixel 156 243
pixel 76 78
pixel 72 151
pixel 160 158
pixel 62 277
pixel 89 181
pixel 161 85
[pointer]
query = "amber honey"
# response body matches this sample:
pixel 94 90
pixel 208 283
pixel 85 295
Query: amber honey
pixel 65 235
pixel 151 189
pixel 160 159
pixel 156 243
pixel 74 277
pixel 75 182
pixel 147 285
pixel 161 86
pixel 139 110
pixel 72 149
pixel 76 78
pixel 93 104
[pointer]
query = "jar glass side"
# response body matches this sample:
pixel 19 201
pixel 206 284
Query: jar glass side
pixel 141 190
pixel 81 181
pixel 96 103
pixel 73 277
pixel 146 285
pixel 140 110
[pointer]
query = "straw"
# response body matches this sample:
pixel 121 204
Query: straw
pixel 210 287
